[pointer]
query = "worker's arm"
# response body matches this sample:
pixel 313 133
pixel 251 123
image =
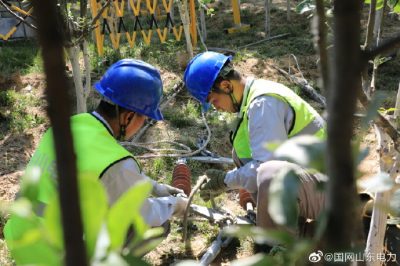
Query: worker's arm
pixel 269 119
pixel 125 174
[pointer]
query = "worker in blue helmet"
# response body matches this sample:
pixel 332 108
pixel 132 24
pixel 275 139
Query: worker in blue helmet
pixel 131 91
pixel 267 112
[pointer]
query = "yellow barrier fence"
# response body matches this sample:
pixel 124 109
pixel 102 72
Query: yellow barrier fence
pixel 139 9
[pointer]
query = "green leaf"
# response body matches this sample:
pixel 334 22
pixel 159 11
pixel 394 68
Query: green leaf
pixel 30 183
pixel 394 5
pixel 373 107
pixel 52 222
pixel 283 202
pixel 396 8
pixel 25 233
pixel 94 207
pixel 22 208
pixel 377 183
pixel 306 151
pixel 300 250
pixel 126 212
pixel 146 246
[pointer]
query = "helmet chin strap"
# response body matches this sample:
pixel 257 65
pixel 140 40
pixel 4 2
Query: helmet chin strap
pixel 122 128
pixel 235 102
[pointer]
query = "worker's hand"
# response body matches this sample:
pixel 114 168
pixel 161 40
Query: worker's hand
pixel 180 206
pixel 215 184
pixel 163 190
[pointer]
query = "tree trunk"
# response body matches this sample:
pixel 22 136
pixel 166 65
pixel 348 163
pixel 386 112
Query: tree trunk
pixel 345 86
pixel 377 228
pixel 59 111
pixel 397 107
pixel 370 25
pixel 86 62
pixel 377 23
pixel 183 10
pixel 203 23
pixel 267 5
pixel 320 36
pixel 73 54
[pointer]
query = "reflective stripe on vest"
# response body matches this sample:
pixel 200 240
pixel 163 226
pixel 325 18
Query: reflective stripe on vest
pixel 95 148
pixel 306 119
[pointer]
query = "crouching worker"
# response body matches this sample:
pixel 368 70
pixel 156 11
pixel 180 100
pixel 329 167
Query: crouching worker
pixel 131 92
pixel 267 112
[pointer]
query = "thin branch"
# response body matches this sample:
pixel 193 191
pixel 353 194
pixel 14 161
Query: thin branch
pixel 23 20
pixel 92 26
pixel 310 91
pixel 386 46
pixel 200 181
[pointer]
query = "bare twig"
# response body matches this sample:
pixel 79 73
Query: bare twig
pixel 23 20
pixel 92 26
pixel 304 85
pixel 200 181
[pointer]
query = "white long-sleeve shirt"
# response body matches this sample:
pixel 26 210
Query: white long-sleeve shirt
pixel 269 120
pixel 124 174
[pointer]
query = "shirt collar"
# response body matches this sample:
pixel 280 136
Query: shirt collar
pixel 249 82
pixel 98 116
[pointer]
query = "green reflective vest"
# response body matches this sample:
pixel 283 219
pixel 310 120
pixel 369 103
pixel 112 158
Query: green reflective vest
pixel 96 150
pixel 306 119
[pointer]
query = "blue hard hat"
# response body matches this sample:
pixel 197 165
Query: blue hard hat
pixel 201 73
pixel 133 85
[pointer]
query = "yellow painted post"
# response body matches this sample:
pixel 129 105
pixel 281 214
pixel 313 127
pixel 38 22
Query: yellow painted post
pixel 236 12
pixel 97 31
pixel 238 26
pixel 193 28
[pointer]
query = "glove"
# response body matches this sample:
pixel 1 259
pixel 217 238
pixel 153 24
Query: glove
pixel 163 190
pixel 215 184
pixel 180 206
